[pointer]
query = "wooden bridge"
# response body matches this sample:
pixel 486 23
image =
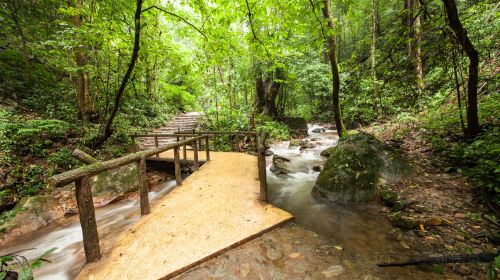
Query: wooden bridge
pixel 220 206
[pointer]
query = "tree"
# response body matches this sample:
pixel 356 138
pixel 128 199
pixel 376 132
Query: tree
pixel 82 80
pixel 107 132
pixel 332 55
pixel 373 48
pixel 463 39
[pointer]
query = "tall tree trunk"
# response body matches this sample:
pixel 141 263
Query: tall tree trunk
pixel 332 55
pixel 418 52
pixel 373 51
pixel 82 81
pixel 463 39
pixel 121 90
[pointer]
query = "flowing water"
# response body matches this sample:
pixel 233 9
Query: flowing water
pixel 66 236
pixel 359 228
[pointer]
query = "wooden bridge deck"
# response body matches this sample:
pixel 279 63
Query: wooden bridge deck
pixel 215 209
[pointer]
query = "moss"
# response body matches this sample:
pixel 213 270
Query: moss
pixel 356 167
pixel 117 181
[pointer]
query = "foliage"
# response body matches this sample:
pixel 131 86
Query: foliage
pixel 22 266
pixel 477 159
pixel 277 131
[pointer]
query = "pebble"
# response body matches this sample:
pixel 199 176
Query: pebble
pixel 460 215
pixel 332 271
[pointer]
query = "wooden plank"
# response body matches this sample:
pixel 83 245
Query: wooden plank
pixel 143 187
pixel 88 223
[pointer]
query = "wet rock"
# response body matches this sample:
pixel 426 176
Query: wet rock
pixel 357 167
pixel 318 130
pixel 31 213
pixel 269 153
pixel 327 152
pixel 317 168
pixel 389 197
pixel 294 143
pixel 280 165
pixel 306 145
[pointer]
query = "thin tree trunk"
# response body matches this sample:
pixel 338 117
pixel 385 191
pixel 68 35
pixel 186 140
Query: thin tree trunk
pixel 82 81
pixel 418 52
pixel 332 55
pixel 462 37
pixel 373 50
pixel 459 99
pixel 121 90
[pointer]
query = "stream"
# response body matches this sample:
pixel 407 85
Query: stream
pixel 360 229
pixel 66 235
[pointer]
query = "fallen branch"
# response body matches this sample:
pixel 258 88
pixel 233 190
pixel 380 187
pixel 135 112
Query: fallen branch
pixel 482 257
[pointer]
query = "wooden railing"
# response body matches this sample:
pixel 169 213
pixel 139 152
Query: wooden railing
pixel 81 176
pixel 84 193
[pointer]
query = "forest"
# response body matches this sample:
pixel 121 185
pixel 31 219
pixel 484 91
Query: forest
pixel 418 76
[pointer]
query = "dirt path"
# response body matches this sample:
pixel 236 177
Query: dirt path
pixel 453 217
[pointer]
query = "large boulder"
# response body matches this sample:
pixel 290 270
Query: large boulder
pixel 297 127
pixel 356 168
pixel 106 187
pixel 280 165
pixel 30 214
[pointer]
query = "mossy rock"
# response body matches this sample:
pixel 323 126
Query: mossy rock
pixel 356 168
pixel 295 143
pixel 32 213
pixel 327 152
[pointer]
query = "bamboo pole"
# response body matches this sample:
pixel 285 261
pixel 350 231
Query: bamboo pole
pixel 178 177
pixel 143 187
pixel 87 219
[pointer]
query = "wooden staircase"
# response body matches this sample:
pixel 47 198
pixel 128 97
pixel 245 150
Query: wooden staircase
pixel 186 121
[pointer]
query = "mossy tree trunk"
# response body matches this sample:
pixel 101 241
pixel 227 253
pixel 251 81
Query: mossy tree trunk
pixel 332 55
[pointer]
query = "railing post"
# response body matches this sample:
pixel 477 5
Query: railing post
pixel 261 155
pixel 134 146
pixel 177 160
pixel 156 145
pixel 216 141
pixel 195 155
pixel 207 148
pixel 143 187
pixel 87 220
pixel 184 153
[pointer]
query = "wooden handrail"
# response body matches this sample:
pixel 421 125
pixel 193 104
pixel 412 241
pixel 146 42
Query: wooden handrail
pixel 218 132
pixel 96 168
